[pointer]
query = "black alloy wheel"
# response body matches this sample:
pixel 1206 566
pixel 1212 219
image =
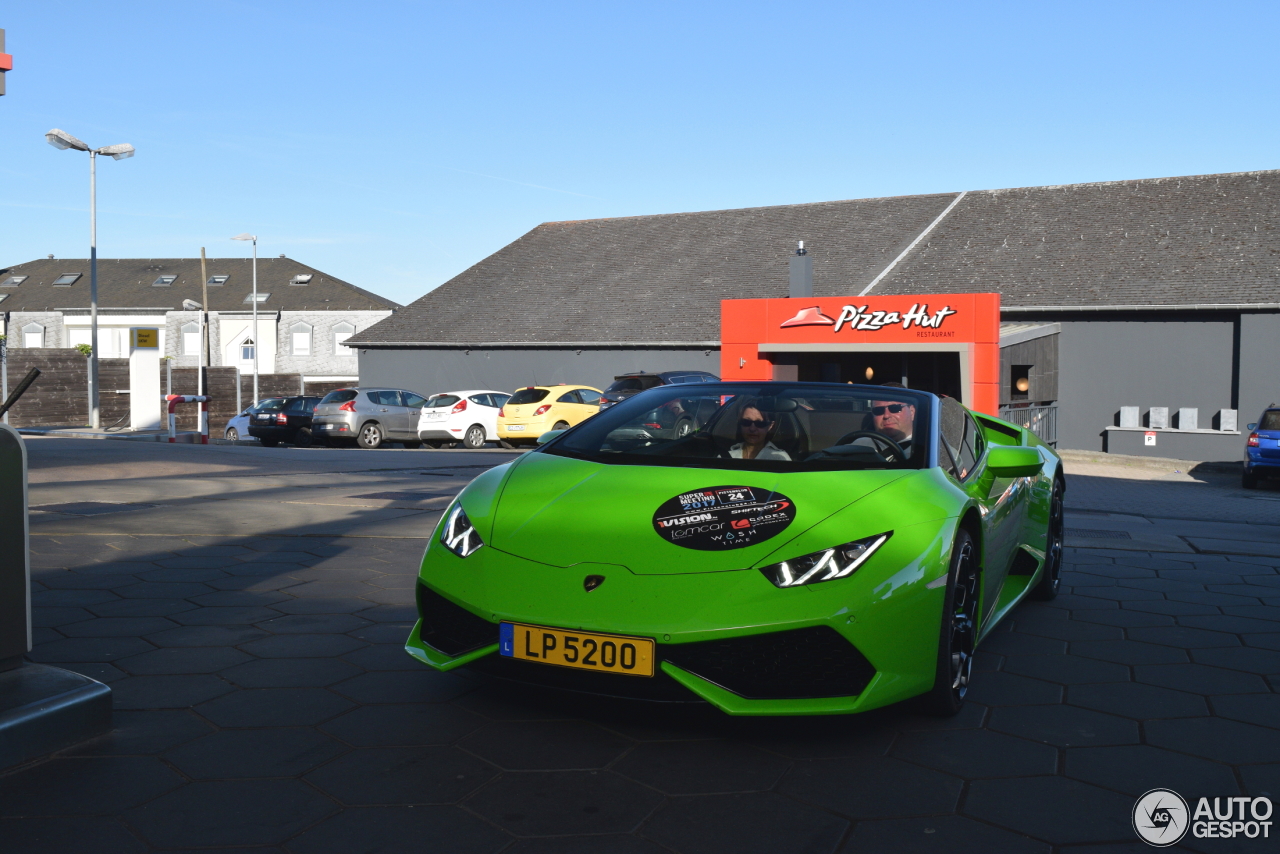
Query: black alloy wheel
pixel 303 438
pixel 1051 578
pixel 959 631
pixel 474 437
pixel 370 436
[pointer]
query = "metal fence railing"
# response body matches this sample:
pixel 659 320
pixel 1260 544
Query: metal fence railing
pixel 1041 420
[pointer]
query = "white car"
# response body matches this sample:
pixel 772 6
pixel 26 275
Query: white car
pixel 238 427
pixel 469 417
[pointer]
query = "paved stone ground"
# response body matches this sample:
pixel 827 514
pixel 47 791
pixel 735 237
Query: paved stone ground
pixel 264 703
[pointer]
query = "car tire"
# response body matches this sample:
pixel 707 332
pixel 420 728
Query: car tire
pixel 683 428
pixel 370 436
pixel 1248 479
pixel 303 438
pixel 1051 579
pixel 560 425
pixel 233 435
pixel 269 443
pixel 958 634
pixel 474 437
pixel 413 446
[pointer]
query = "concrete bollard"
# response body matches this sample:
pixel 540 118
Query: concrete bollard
pixel 1189 418
pixel 1158 418
pixel 1129 417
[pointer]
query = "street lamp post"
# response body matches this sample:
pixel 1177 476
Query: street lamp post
pixel 256 342
pixel 63 140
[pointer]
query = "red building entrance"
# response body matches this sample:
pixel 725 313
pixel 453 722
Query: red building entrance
pixel 943 343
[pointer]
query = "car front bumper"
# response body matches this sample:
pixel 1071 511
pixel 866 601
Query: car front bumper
pixel 728 638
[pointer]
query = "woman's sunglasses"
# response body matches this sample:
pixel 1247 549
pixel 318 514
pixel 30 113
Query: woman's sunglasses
pixel 895 408
pixel 748 422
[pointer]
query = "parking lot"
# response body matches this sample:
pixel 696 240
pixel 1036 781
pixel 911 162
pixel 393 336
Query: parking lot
pixel 248 607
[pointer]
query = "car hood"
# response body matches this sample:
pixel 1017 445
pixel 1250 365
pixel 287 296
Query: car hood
pixel 563 512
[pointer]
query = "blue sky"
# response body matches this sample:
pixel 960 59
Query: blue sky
pixel 395 144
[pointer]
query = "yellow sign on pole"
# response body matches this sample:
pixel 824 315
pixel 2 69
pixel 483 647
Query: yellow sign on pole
pixel 146 339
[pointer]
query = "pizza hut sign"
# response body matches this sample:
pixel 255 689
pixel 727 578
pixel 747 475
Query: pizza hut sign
pixel 857 317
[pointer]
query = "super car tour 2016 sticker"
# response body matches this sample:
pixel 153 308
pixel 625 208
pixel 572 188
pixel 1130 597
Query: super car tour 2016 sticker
pixel 719 518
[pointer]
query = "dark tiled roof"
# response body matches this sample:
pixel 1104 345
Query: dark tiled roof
pixel 655 278
pixel 127 283
pixel 1207 239
pixel 1204 239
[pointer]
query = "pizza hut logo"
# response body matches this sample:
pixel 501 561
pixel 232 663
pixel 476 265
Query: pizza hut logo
pixel 858 318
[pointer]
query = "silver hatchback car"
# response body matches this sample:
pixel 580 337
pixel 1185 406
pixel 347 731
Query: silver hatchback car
pixel 369 417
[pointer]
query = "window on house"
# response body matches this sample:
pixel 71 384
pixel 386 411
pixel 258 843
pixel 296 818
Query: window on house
pixel 164 281
pixel 262 296
pixel 341 332
pixel 300 279
pixel 3 297
pixel 191 339
pixel 77 335
pixel 66 280
pixel 246 350
pixel 13 281
pixel 300 339
pixel 33 335
pixel 214 281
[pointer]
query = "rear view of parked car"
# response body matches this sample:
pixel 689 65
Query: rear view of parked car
pixel 626 385
pixel 1262 450
pixel 238 427
pixel 370 417
pixel 534 410
pixel 469 417
pixel 284 419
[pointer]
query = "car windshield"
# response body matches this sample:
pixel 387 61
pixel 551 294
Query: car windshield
pixel 342 395
pixel 768 426
pixel 527 395
pixel 1270 420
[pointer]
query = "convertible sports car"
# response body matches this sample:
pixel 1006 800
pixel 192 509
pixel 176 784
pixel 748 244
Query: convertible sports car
pixel 806 548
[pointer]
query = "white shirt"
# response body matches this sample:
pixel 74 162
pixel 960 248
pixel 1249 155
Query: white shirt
pixel 770 451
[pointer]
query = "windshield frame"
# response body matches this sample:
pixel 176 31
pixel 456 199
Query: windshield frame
pixel 638 404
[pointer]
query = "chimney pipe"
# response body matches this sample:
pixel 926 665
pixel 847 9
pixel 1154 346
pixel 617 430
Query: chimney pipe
pixel 801 273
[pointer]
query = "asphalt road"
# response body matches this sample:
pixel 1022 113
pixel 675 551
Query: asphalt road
pixel 248 607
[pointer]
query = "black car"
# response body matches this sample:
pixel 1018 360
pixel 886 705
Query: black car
pixel 626 385
pixel 284 419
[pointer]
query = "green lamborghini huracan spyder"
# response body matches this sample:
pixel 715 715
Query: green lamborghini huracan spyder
pixel 794 548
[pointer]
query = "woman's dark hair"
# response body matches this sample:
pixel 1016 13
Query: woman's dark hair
pixel 770 417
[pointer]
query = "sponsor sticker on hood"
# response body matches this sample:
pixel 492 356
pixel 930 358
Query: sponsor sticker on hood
pixel 719 518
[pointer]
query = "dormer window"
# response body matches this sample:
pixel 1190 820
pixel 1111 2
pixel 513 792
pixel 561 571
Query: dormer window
pixel 66 280
pixel 300 279
pixel 164 281
pixel 214 281
pixel 13 281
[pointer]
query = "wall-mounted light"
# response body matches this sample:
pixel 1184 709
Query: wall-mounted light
pixel 1023 385
pixel 871 372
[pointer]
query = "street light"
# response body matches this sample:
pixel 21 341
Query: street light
pixel 256 342
pixel 60 139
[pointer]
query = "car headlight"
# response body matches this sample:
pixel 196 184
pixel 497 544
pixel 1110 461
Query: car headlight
pixel 459 535
pixel 825 565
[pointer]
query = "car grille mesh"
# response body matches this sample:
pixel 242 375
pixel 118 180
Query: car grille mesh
pixel 800 664
pixel 451 628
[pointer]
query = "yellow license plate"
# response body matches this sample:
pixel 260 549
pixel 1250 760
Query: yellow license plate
pixel 580 650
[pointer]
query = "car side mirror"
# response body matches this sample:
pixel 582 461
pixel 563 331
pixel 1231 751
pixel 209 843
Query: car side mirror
pixel 1008 461
pixel 548 436
pixel 1253 426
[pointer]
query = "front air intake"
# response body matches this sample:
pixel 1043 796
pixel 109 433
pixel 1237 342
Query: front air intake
pixel 451 628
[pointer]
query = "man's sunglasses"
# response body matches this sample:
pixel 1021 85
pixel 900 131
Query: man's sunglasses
pixel 895 408
pixel 748 422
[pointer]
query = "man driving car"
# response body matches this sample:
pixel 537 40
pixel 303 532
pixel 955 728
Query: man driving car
pixel 892 419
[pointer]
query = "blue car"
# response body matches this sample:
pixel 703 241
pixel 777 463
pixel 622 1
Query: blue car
pixel 1262 452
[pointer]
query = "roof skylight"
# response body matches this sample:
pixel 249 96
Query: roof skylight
pixel 300 279
pixel 66 280
pixel 13 281
pixel 262 297
pixel 3 297
pixel 164 281
pixel 217 280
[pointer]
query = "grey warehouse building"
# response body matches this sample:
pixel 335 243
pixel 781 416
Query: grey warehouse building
pixel 1119 299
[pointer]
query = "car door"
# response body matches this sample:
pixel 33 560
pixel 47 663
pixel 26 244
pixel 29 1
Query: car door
pixel 388 412
pixel 413 404
pixel 966 446
pixel 570 409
